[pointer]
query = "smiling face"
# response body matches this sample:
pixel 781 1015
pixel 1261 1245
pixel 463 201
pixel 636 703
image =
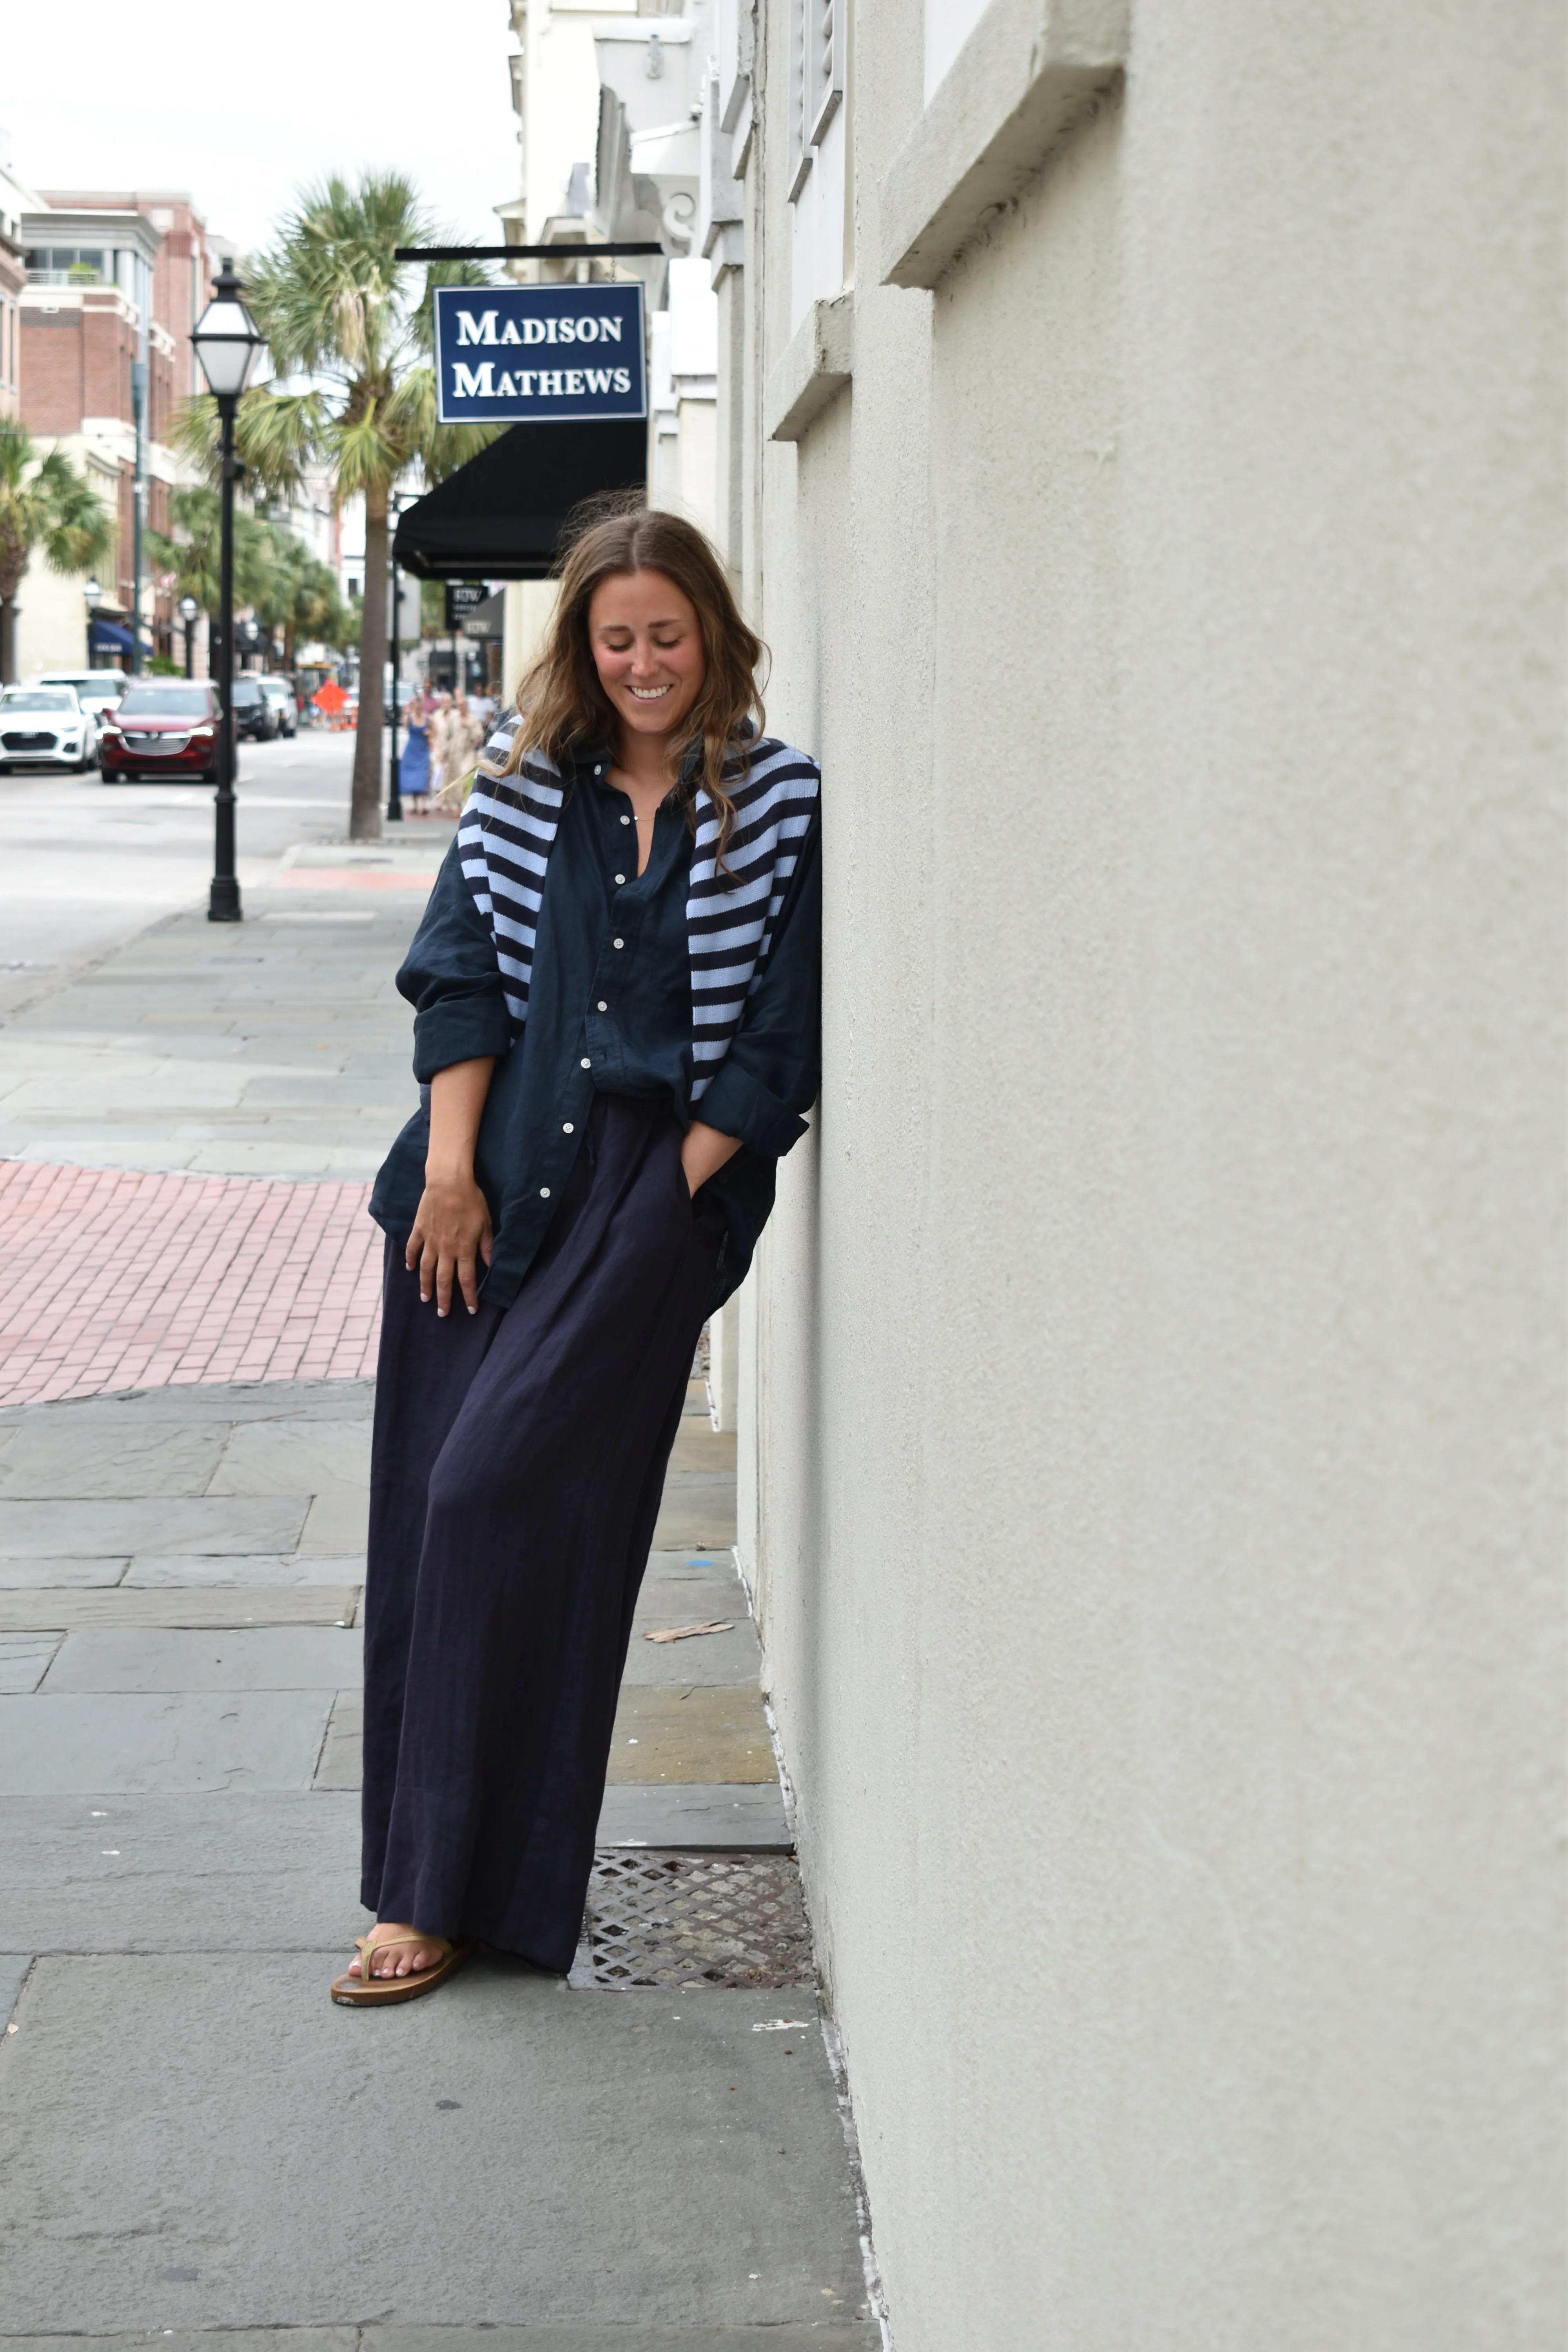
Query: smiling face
pixel 646 644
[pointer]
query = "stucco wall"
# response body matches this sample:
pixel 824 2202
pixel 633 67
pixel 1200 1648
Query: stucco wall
pixel 1155 1395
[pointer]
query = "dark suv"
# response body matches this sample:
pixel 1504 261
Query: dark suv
pixel 254 712
pixel 161 728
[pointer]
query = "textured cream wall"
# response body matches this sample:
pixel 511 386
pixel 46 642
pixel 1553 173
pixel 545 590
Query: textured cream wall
pixel 1156 1411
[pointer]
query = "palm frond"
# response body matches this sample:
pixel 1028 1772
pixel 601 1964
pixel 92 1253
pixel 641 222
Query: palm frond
pixel 18 455
pixel 328 293
pixel 278 434
pixel 422 320
pixel 367 456
pixel 194 432
pixel 441 448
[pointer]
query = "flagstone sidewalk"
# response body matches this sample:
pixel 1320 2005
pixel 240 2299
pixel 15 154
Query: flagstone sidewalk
pixel 197 2145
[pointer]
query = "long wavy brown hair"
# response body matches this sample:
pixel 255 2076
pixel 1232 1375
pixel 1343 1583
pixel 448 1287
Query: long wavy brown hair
pixel 565 708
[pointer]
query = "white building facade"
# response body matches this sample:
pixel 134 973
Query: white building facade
pixel 1140 435
pixel 609 104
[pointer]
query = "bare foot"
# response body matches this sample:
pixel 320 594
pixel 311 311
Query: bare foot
pixel 402 1960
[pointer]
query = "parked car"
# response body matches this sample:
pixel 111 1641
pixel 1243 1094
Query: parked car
pixel 280 694
pixel 162 728
pixel 254 713
pixel 45 725
pixel 96 690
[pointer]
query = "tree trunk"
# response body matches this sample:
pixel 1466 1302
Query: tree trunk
pixel 7 640
pixel 364 821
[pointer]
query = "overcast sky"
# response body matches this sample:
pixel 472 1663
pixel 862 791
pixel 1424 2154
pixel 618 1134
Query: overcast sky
pixel 241 105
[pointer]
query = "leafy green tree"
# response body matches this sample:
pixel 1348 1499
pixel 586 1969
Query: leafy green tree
pixel 341 313
pixel 188 556
pixel 299 595
pixel 43 503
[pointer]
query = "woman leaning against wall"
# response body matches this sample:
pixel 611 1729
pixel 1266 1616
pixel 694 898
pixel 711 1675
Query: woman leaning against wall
pixel 616 1029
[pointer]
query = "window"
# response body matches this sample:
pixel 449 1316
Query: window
pixel 67 265
pixel 825 59
pixel 166 702
pixel 816 74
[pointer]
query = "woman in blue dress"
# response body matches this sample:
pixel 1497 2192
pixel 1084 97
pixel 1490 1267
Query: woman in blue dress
pixel 414 781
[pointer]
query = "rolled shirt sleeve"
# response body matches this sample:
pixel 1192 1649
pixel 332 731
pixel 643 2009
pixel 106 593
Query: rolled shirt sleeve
pixel 773 1070
pixel 451 978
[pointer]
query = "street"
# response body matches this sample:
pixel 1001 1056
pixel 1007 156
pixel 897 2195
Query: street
pixel 84 865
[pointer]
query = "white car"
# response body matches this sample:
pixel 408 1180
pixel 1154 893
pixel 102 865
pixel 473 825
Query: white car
pixel 96 690
pixel 44 726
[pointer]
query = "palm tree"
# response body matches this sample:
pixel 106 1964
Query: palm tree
pixel 335 308
pixel 43 503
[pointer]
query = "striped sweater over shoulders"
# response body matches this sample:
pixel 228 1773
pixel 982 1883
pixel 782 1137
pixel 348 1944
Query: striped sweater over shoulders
pixel 508 829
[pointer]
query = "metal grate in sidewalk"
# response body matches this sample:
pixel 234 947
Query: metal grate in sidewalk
pixel 697 1920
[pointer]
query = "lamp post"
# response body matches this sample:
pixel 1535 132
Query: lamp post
pixel 188 611
pixel 92 592
pixel 393 765
pixel 397 501
pixel 227 344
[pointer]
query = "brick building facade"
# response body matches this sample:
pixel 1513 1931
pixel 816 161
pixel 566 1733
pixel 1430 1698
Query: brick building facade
pixel 112 279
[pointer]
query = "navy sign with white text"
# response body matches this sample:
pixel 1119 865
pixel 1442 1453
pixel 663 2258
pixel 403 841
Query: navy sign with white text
pixel 544 354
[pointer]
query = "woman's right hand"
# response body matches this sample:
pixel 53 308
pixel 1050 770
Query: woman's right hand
pixel 451 1234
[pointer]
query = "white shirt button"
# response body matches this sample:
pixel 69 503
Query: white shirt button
pixel 620 877
pixel 618 943
pixel 544 1192
pixel 567 1129
pixel 587 1064
pixel 603 1006
pixel 626 819
pixel 599 771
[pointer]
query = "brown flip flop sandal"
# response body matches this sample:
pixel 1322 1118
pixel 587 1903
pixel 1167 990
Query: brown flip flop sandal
pixel 365 1990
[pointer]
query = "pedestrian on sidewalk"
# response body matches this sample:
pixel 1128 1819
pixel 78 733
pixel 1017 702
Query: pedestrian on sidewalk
pixel 616 985
pixel 461 736
pixel 414 772
pixel 438 725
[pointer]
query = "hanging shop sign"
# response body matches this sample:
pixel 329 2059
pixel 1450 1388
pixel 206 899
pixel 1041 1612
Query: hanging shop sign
pixel 540 354
pixel 464 598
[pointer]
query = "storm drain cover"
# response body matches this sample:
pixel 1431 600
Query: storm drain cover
pixel 697 1919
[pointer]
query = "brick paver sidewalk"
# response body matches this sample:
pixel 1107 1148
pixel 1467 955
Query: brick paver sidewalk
pixel 116 1279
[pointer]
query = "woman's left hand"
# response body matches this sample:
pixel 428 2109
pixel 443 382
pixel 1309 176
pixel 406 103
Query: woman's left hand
pixel 703 1153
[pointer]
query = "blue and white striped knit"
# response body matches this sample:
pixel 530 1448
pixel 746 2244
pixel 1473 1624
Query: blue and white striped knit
pixel 507 830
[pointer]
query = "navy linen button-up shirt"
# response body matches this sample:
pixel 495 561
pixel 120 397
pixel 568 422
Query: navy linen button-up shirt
pixel 609 1011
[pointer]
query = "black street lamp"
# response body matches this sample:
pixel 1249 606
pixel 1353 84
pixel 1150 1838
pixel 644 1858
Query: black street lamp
pixel 395 765
pixel 227 343
pixel 189 608
pixel 92 593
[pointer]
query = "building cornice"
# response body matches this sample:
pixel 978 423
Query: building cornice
pixel 1019 80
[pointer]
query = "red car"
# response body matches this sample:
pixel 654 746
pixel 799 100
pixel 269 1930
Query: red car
pixel 160 728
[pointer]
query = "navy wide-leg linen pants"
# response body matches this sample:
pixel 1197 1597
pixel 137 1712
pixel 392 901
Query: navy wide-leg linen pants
pixel 518 1461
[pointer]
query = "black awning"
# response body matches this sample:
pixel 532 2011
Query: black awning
pixel 500 516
